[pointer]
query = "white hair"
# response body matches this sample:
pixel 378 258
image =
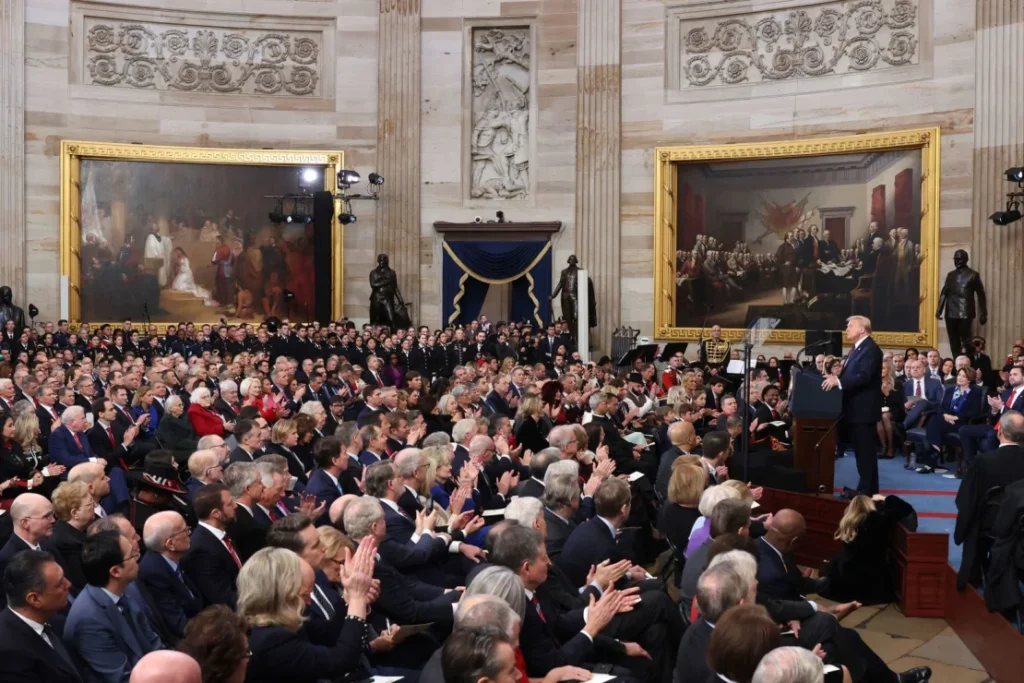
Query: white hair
pixel 713 496
pixel 228 385
pixel 525 510
pixel 70 414
pixel 561 467
pixel 198 394
pixel 171 401
pixel 247 384
pixel 790 665
pixel 462 428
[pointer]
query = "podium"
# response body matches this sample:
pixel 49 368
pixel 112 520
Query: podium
pixel 814 417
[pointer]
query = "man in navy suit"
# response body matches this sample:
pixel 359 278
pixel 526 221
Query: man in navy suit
pixel 325 481
pixel 30 649
pixel 983 437
pixel 108 632
pixel 861 382
pixel 211 561
pixel 175 597
pixel 922 393
pixel 68 444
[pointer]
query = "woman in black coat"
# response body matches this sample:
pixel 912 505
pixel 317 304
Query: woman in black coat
pixel 859 570
pixel 175 432
pixel 274 587
pixel 531 426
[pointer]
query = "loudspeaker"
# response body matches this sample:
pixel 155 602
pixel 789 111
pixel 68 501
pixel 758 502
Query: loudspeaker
pixel 323 226
pixel 831 342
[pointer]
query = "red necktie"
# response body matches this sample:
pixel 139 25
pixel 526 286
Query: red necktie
pixel 536 605
pixel 270 513
pixel 231 549
pixel 110 435
pixel 77 440
pixel 1013 398
pixel 917 388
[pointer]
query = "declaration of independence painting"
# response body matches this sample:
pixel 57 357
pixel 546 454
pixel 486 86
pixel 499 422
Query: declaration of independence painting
pixel 807 239
pixel 191 242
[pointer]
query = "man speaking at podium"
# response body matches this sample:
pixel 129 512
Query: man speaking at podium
pixel 861 383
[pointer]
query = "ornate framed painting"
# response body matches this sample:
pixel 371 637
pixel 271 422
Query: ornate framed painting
pixel 807 231
pixel 183 234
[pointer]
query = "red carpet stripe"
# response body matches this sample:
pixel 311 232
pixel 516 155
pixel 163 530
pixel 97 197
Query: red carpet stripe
pixel 937 515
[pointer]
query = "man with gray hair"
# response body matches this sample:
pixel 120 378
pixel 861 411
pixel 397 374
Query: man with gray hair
pixel 404 599
pixel 206 467
pixel 494 491
pixel 174 596
pixel 790 665
pixel 476 612
pixel 411 468
pixel 563 437
pixel 539 463
pixel 719 588
pixel 227 403
pixel 248 530
pixel 462 433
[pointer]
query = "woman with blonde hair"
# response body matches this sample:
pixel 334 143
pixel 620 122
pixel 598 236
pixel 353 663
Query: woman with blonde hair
pixel 75 510
pixel 894 411
pixel 859 570
pixel 274 588
pixel 679 512
pixel 531 427
pixel 284 438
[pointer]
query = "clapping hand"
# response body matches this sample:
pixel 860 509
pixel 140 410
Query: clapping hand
pixel 721 473
pixel 307 506
pixel 606 574
pixel 357 576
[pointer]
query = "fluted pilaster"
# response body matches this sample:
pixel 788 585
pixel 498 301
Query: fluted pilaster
pixel 398 142
pixel 598 129
pixel 12 147
pixel 998 145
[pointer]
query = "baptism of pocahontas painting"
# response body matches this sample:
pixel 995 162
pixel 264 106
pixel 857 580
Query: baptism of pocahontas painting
pixel 173 242
pixel 807 239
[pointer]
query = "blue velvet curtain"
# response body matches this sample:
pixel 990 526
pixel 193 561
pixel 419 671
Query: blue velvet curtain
pixel 465 296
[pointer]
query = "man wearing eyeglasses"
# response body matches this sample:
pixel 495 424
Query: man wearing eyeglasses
pixel 108 632
pixel 175 596
pixel 33 520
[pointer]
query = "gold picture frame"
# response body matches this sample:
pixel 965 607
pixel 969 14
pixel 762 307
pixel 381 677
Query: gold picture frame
pixel 669 161
pixel 73 152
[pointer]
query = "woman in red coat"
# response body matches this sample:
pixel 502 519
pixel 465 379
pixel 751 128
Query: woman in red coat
pixel 201 415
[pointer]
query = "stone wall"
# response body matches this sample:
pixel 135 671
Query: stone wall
pixel 64 100
pixel 935 88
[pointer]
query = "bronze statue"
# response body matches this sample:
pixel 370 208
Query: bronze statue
pixel 568 285
pixel 957 302
pixel 386 304
pixel 8 311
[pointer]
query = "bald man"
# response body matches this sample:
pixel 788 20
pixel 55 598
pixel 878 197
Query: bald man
pixel 684 439
pixel 33 520
pixel 167 666
pixel 778 575
pixel 174 595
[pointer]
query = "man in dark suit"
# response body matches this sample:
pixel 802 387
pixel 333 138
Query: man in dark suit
pixel 47 413
pixel 1000 467
pixel 403 599
pixel 68 444
pixel 564 510
pixel 982 438
pixel 227 402
pixel 32 518
pixel 174 596
pixel 861 382
pixel 249 529
pixel 247 433
pixel 106 630
pixel 30 649
pixel 108 438
pixel 598 539
pixel 325 480
pixel 548 344
pixel 714 584
pixel 921 393
pixel 212 563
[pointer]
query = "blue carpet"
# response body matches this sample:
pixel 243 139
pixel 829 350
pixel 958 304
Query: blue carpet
pixel 935 504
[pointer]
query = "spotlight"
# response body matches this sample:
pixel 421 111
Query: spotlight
pixel 346 218
pixel 1015 175
pixel 348 178
pixel 1006 217
pixel 375 179
pixel 33 311
pixel 308 178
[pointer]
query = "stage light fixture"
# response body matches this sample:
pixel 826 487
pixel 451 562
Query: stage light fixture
pixel 1015 175
pixel 1011 215
pixel 348 178
pixel 346 218
pixel 308 179
pixel 375 179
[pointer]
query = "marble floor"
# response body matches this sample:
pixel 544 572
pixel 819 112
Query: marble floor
pixel 906 642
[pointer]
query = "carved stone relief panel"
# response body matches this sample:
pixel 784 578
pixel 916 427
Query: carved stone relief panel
pixel 190 58
pixel 501 76
pixel 712 46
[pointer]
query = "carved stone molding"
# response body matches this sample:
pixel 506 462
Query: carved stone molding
pixel 148 50
pixel 718 47
pixel 501 79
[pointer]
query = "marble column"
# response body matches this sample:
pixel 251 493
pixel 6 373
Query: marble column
pixel 998 145
pixel 598 163
pixel 398 143
pixel 12 147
